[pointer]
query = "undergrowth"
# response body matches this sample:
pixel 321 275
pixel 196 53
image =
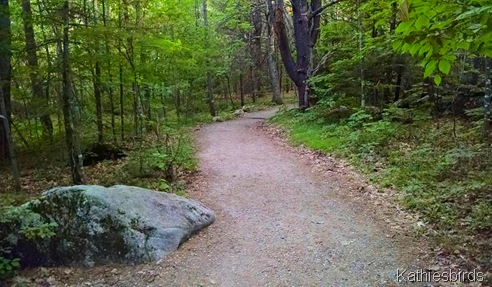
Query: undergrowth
pixel 441 168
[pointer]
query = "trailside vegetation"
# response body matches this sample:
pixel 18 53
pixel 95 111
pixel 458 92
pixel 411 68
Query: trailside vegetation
pixel 402 90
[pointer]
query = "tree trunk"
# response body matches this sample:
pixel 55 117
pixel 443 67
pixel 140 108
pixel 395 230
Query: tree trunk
pixel 122 105
pixel 74 156
pixel 255 43
pixel 297 71
pixel 241 89
pixel 210 93
pixel 399 75
pixel 110 75
pixel 32 62
pixel 361 62
pixel 97 81
pixel 8 136
pixel 272 63
pixel 486 100
pixel 98 99
pixel 49 66
pixel 5 70
pixel 306 21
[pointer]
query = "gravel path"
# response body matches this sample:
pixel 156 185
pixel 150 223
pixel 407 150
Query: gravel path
pixel 279 223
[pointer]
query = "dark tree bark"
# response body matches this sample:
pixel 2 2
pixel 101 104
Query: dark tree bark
pixel 74 155
pixel 8 136
pixel 32 61
pixel 241 89
pixel 5 70
pixel 399 74
pixel 306 21
pixel 98 99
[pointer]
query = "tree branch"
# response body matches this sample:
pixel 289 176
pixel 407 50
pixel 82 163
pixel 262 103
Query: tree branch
pixel 283 44
pixel 321 63
pixel 322 8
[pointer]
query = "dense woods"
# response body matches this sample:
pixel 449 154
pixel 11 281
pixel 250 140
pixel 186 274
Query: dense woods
pixel 81 73
pixel 402 89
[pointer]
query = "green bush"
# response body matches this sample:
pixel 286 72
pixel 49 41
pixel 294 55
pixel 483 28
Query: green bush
pixel 16 224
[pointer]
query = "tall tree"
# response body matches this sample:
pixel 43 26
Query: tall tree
pixel 8 135
pixel 272 62
pixel 97 80
pixel 305 21
pixel 32 61
pixel 5 69
pixel 210 92
pixel 255 44
pixel 74 155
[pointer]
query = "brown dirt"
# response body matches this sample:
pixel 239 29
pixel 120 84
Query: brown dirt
pixel 285 217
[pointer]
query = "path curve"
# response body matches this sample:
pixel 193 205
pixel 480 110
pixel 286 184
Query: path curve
pixel 279 223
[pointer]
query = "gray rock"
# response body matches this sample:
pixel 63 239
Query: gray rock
pixel 246 109
pixel 238 113
pixel 217 119
pixel 119 224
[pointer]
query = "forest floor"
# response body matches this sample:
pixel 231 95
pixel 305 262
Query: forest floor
pixel 286 216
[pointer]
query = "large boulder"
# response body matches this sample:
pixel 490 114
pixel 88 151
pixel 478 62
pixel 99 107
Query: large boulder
pixel 119 224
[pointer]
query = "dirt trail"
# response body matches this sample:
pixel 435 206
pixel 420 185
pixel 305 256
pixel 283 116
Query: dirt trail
pixel 278 223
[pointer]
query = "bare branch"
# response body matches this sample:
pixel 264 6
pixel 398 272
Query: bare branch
pixel 322 8
pixel 321 63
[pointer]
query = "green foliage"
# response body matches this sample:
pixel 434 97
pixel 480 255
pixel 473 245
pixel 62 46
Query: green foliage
pixel 158 165
pixel 8 267
pixel 19 223
pixel 436 30
pixel 358 119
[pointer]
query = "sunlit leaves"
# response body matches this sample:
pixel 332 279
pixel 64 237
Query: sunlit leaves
pixel 444 66
pixel 437 79
pixel 429 68
pixel 437 30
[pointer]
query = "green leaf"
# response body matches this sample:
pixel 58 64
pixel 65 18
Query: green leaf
pixel 430 68
pixel 463 45
pixel 414 49
pixel 397 45
pixel 422 22
pixel 425 48
pixel 444 66
pixel 487 52
pixel 437 79
pixel 404 27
